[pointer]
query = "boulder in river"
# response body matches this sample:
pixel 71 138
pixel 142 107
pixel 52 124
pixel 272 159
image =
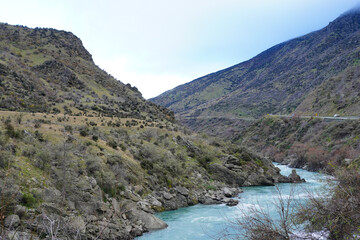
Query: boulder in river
pixel 232 202
pixel 295 178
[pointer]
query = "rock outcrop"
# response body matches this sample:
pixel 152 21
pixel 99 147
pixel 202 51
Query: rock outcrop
pixel 295 178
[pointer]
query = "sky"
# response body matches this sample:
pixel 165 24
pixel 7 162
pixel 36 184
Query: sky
pixel 157 45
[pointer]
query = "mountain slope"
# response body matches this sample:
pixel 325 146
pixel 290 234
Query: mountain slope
pixel 48 70
pixel 276 81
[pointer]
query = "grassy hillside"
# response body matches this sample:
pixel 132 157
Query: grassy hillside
pixel 338 94
pixel 46 70
pixel 305 74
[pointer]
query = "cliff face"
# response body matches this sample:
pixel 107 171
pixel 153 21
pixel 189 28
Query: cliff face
pixel 84 156
pixel 315 73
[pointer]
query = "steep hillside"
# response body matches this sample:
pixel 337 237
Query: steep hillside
pixel 280 79
pixel 338 94
pixel 46 70
pixel 83 156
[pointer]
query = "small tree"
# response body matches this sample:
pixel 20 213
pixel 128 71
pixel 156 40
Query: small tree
pixel 257 224
pixel 338 215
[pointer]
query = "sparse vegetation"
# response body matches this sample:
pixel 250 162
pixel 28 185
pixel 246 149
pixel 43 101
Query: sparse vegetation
pixel 315 144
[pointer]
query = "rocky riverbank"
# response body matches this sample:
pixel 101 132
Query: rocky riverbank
pixel 86 212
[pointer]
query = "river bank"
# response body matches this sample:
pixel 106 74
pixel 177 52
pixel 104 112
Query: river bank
pixel 205 221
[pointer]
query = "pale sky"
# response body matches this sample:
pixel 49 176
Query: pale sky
pixel 157 45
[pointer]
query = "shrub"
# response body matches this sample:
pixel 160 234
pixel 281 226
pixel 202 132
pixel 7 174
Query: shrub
pixel 93 164
pixel 112 143
pixel 84 131
pixel 316 158
pixel 43 159
pixel 339 214
pixel 10 132
pixel 122 147
pixel 210 187
pixel 146 164
pixel 256 223
pixel 204 161
pixel 5 159
pixel 108 184
pixel 29 151
pixel 39 136
pixel 92 123
pixel 68 128
pixel 28 200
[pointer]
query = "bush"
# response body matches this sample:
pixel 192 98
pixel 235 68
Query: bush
pixel 122 147
pixel 84 131
pixel 146 164
pixel 108 184
pixel 43 159
pixel 39 136
pixel 28 200
pixel 93 164
pixel 339 215
pixel 112 143
pixel 204 161
pixel 10 132
pixel 5 159
pixel 29 151
pixel 92 123
pixel 68 128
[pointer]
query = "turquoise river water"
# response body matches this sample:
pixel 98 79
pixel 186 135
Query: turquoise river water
pixel 202 222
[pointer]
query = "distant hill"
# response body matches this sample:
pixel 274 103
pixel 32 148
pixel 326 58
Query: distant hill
pixel 315 73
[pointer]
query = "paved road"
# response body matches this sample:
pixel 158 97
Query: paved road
pixel 284 116
pixel 224 117
pixel 323 117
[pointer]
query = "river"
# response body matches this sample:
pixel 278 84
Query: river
pixel 203 222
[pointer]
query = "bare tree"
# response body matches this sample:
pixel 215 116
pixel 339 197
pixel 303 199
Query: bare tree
pixel 256 223
pixel 56 227
pixel 338 215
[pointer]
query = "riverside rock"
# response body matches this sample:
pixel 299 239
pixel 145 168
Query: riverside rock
pixel 295 178
pixel 150 221
pixel 182 191
pixel 232 202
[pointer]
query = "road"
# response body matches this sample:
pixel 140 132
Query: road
pixel 326 118
pixel 321 117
